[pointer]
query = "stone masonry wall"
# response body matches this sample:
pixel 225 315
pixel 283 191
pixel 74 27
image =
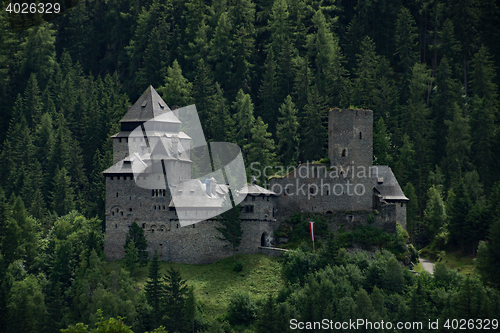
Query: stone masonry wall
pixel 195 244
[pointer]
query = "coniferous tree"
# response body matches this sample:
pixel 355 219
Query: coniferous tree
pixel 269 92
pixel 381 144
pixel 287 133
pixel 327 58
pixel 244 119
pixel 221 52
pixel 230 228
pixel 484 111
pixel 434 214
pixel 136 235
pixel 32 102
pixel 458 145
pixel 62 196
pixel 153 288
pixel 313 135
pixel 221 122
pixel 177 90
pixel 406 49
pixel 446 94
pixel 366 75
pixel 175 293
pixel 261 148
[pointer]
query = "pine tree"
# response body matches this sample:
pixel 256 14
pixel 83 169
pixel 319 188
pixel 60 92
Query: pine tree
pixel 136 235
pixel 366 75
pixel 458 145
pixel 230 228
pixel 153 288
pixel 62 197
pixel 32 102
pixel 175 293
pixel 447 93
pixel 287 133
pixel 381 144
pixel 203 95
pixel 269 92
pixel 327 58
pixel 221 123
pixel 221 52
pixel 314 131
pixel 131 257
pixel 458 207
pixel 261 148
pixel 177 90
pixel 406 49
pixel 434 214
pixel 484 112
pixel 244 119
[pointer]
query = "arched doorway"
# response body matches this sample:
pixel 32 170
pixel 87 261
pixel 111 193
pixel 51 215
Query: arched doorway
pixel 263 239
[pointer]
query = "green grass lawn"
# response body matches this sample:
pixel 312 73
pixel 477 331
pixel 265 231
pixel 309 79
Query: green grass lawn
pixel 215 283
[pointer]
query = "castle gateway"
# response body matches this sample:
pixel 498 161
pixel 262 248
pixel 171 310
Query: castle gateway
pixel 349 183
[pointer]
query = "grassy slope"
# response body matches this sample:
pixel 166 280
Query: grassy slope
pixel 455 260
pixel 215 283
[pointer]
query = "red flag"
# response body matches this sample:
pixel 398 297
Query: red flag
pixel 311 226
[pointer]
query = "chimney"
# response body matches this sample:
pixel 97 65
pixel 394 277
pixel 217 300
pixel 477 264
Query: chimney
pixel 175 144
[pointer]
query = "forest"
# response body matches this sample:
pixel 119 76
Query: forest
pixel 263 74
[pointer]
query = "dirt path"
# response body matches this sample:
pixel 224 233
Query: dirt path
pixel 427 265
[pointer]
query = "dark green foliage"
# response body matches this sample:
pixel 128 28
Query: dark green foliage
pixel 136 235
pixel 154 290
pixel 241 309
pixel 174 302
pixel 230 228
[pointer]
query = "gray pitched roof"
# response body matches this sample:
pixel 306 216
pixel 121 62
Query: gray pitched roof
pixel 148 106
pixel 193 194
pixel 253 189
pixel 386 184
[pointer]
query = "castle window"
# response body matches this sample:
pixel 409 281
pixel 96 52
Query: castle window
pixel 249 209
pixel 121 213
pixel 163 207
pixel 193 226
pixel 344 152
pixel 152 193
pixel 161 244
pixel 311 190
pixel 116 225
pixel 130 209
pixel 360 135
pixel 177 226
pixel 267 198
pixel 253 198
pixel 327 192
pixel 119 139
pixel 117 210
pixel 111 177
pixel 402 204
pixel 144 226
pixel 113 213
pixel 163 192
pixel 117 194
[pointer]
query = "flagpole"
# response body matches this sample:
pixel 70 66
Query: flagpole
pixel 311 227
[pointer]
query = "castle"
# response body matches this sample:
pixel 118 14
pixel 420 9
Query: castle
pixel 347 190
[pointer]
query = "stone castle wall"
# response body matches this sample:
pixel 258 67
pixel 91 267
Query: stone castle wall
pixel 196 244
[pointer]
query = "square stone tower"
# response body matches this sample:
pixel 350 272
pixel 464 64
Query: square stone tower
pixel 350 149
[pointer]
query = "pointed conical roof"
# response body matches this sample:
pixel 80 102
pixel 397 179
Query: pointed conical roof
pixel 149 106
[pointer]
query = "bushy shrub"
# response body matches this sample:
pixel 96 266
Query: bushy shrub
pixel 241 310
